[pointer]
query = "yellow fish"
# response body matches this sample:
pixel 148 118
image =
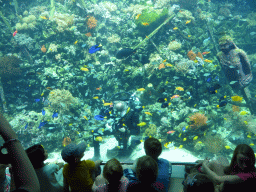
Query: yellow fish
pixel 225 119
pixel 180 146
pixel 245 122
pixel 98 138
pixel 88 145
pixel 107 104
pixel 195 105
pixel 179 88
pixel 215 66
pixel 237 98
pixel 86 118
pixel 42 94
pixel 251 144
pixel 145 24
pixel 84 69
pixel 189 35
pixel 137 16
pixel 96 97
pixel 43 17
pixel 185 139
pixel 70 124
pixel 180 135
pixel 227 147
pixel 166 82
pixel 169 65
pixel 199 142
pixel 188 21
pixel 208 61
pixel 141 89
pixel 75 42
pixel 164 60
pixel 243 113
pixel 249 136
pixel 142 124
pixel 195 138
pixel 126 70
pixel 175 28
pixel 196 61
pixel 148 113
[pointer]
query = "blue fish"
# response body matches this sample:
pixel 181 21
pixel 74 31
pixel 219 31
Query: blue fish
pixel 42 124
pixel 37 100
pixel 55 114
pixel 209 79
pixel 217 78
pixel 43 112
pixel 98 117
pixel 184 129
pixel 26 126
pixel 95 48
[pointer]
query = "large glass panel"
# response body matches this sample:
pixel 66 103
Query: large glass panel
pixel 114 73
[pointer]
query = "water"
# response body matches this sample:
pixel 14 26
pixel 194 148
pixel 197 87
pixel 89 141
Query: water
pixel 69 81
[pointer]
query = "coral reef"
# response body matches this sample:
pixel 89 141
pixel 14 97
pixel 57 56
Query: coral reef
pixel 199 120
pixel 214 144
pixel 66 141
pixel 24 39
pixel 151 131
pixel 9 68
pixel 62 100
pixel 64 21
pixel 29 22
pixel 91 22
pixel 174 45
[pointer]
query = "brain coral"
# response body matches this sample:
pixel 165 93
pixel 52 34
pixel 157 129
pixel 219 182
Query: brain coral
pixel 62 100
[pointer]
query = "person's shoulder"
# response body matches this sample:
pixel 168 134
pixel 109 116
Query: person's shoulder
pixel 161 160
pixel 89 163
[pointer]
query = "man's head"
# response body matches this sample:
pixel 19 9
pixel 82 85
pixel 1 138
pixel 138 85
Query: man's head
pixel 120 108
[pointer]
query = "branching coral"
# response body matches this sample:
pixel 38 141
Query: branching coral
pixel 199 120
pixel 9 68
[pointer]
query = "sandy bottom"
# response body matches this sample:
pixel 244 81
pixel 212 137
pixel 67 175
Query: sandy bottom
pixel 176 155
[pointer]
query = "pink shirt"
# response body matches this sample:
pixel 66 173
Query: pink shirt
pixel 103 187
pixel 245 176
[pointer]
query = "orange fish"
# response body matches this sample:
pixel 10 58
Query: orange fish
pixel 14 33
pixel 205 53
pixel 98 88
pixel 49 88
pixel 137 17
pixel 145 24
pixel 175 96
pixel 170 132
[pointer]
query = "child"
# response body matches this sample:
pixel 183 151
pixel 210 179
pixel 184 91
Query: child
pixel 146 171
pixel 153 148
pixel 47 174
pixel 78 175
pixel 113 173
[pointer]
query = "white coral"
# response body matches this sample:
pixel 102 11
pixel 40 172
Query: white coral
pixel 71 49
pixel 52 48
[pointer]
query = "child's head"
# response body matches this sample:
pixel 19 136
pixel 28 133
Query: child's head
pixel 198 182
pixel 243 160
pixel 153 147
pixel 72 153
pixel 37 155
pixel 113 171
pixel 146 169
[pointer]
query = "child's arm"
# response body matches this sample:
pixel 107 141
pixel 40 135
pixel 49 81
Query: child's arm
pixel 66 186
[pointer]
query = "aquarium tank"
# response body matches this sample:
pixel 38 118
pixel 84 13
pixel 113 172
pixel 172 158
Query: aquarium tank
pixel 112 73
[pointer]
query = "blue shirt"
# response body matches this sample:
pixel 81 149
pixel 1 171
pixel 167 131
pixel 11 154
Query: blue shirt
pixel 164 173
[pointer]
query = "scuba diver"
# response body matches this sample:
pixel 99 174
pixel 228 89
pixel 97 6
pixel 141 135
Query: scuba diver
pixel 237 69
pixel 122 119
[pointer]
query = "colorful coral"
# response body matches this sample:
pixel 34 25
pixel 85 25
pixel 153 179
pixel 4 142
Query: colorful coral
pixel 91 22
pixel 199 120
pixel 191 55
pixel 66 141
